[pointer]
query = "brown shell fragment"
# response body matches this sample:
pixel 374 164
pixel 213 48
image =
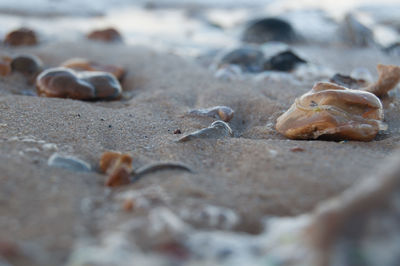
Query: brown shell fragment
pixel 389 77
pixel 19 37
pixel 5 67
pixel 81 64
pixel 105 35
pixel 117 166
pixel 333 112
pixel 66 83
pixel 224 113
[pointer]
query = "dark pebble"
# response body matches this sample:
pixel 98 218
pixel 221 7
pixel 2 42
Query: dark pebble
pixel 269 29
pixel 284 61
pixel 29 65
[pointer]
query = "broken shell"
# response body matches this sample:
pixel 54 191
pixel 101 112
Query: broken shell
pixel 22 36
pixel 68 162
pixel 5 68
pixel 224 113
pixel 105 35
pixel 65 83
pixel 348 81
pixel 283 61
pixel 334 112
pixel 81 64
pixel 28 65
pixel 218 129
pixel 117 166
pixel 389 76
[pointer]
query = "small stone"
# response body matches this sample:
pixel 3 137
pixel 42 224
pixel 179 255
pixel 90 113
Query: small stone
pixel 333 112
pixel 68 162
pixel 269 29
pixel 389 77
pixel 177 131
pixel 248 58
pixel 19 37
pixel 297 149
pixel 128 205
pixel 283 61
pixel 223 113
pixel 117 166
pixel 5 67
pixel 218 129
pixel 81 64
pixel 28 65
pixel 85 85
pixel 105 35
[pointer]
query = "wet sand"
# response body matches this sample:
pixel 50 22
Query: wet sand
pixel 254 174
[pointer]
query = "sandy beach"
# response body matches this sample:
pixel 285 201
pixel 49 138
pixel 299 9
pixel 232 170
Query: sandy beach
pixel 57 216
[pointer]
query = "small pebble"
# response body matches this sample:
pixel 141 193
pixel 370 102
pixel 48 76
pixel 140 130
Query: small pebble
pixel 105 35
pixel 333 112
pixel 81 64
pixel 283 61
pixel 128 205
pixel 297 149
pixel 19 37
pixel 5 67
pixel 223 113
pixel 68 162
pixel 269 29
pixel 28 65
pixel 177 131
pixel 218 129
pixel 85 85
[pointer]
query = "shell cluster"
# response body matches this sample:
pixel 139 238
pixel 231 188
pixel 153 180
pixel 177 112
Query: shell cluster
pixel 333 112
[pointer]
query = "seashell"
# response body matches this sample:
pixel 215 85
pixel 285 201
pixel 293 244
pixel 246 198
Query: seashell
pixel 224 113
pixel 5 68
pixel 105 35
pixel 68 162
pixel 218 129
pixel 81 64
pixel 117 166
pixel 269 29
pixel 333 112
pixel 389 77
pixel 85 85
pixel 19 37
pixel 248 58
pixel 283 61
pixel 28 65
pixel 348 81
